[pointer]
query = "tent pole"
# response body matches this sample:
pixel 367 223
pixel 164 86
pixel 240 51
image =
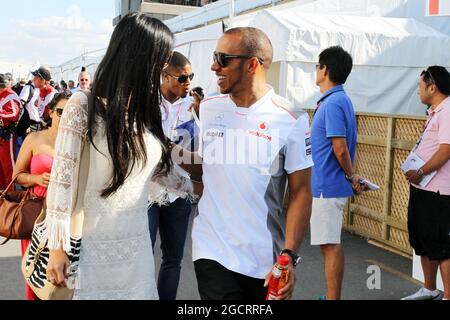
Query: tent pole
pixel 283 79
pixel 232 10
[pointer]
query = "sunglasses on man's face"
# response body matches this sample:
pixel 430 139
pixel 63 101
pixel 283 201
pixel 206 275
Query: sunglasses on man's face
pixel 319 66
pixel 59 112
pixel 424 72
pixel 184 78
pixel 39 75
pixel 223 59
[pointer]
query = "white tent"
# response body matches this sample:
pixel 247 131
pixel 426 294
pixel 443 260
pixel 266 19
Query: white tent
pixel 388 56
pixel 198 45
pixel 415 9
pixel 388 53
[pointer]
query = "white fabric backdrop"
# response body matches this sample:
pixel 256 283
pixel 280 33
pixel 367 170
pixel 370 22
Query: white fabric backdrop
pixel 385 53
pixel 198 45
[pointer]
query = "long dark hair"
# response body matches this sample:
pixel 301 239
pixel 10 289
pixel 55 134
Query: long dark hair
pixel 126 94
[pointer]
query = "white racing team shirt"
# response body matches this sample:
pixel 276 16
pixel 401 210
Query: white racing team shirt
pixel 30 106
pixel 247 154
pixel 46 95
pixel 173 115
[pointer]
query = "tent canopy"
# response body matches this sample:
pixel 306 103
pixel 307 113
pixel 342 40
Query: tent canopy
pixel 375 41
pixel 208 33
pixel 388 55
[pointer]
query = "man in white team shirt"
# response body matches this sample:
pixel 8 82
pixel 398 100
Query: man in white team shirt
pixel 241 226
pixel 172 220
pixel 41 81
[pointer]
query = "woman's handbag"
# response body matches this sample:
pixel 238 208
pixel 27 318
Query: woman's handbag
pixel 35 260
pixel 18 213
pixel 34 266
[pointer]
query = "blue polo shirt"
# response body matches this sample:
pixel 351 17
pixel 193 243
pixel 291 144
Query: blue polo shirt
pixel 334 117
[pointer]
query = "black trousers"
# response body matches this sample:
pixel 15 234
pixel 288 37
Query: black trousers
pixel 429 224
pixel 215 282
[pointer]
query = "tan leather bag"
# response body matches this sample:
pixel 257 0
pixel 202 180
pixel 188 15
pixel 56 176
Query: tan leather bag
pixel 18 212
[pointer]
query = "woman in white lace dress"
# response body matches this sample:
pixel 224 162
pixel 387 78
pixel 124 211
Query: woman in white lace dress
pixel 126 141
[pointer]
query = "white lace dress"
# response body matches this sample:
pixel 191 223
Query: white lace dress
pixel 116 260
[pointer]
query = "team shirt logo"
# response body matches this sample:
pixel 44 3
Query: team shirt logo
pixel 263 126
pixel 220 117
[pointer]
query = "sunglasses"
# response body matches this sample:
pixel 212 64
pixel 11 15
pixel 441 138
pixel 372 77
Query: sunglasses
pixel 59 112
pixel 38 74
pixel 184 78
pixel 319 66
pixel 429 73
pixel 223 59
pixel 169 59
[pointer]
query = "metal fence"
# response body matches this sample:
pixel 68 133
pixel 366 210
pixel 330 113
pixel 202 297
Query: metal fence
pixel 71 69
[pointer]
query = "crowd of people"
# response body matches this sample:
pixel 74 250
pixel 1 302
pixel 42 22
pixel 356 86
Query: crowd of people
pixel 156 145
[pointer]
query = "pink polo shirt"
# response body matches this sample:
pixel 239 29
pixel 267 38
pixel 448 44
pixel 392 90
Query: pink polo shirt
pixel 437 132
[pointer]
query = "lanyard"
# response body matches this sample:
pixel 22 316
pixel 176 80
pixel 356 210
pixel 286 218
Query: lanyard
pixel 167 111
pixel 196 118
pixel 178 116
pixel 423 132
pixel 173 125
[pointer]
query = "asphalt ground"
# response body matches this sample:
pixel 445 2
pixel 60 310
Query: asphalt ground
pixel 371 273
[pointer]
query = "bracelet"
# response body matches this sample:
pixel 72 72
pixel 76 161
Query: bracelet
pixel 420 172
pixel 350 178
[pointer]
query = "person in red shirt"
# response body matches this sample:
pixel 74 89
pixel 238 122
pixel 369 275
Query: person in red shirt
pixel 9 115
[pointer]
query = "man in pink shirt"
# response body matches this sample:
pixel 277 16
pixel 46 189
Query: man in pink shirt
pixel 429 205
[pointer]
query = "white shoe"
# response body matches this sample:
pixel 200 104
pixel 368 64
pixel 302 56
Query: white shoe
pixel 425 294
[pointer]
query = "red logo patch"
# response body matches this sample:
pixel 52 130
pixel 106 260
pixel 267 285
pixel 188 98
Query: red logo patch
pixel 263 126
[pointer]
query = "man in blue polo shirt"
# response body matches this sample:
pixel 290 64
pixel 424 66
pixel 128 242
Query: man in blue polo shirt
pixel 333 143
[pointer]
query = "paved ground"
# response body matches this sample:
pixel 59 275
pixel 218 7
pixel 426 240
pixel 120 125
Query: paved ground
pixel 395 272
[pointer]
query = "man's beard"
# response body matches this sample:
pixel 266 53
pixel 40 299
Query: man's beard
pixel 239 76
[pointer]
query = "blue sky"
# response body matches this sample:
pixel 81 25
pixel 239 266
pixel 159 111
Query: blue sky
pixel 53 31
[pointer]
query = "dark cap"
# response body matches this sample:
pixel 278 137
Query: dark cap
pixel 43 73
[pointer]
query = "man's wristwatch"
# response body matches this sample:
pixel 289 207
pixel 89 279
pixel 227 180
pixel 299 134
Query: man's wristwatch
pixel 420 172
pixel 294 256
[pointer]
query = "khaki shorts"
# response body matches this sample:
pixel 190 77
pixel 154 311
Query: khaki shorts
pixel 326 220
